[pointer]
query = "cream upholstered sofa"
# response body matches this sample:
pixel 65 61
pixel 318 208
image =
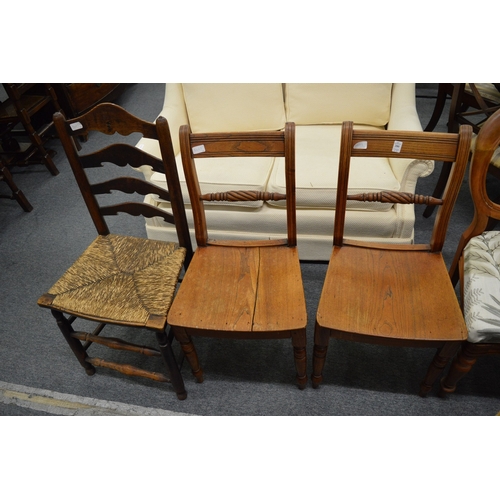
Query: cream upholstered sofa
pixel 318 111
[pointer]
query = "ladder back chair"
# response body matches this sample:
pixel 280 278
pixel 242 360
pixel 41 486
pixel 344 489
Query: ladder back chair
pixel 397 295
pixel 477 264
pixel 121 280
pixel 241 289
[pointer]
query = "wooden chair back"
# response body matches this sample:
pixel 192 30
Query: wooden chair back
pixel 420 146
pixel 112 119
pixel 485 209
pixel 239 144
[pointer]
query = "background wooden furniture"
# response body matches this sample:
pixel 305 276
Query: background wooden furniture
pixel 471 104
pixel 17 194
pixel 121 280
pixel 397 295
pixel 485 341
pixel 241 289
pixel 28 112
pixel 77 98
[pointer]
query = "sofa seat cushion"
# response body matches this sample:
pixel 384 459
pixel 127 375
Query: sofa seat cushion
pixel 482 287
pixel 224 174
pixel 322 103
pixel 234 107
pixel 317 150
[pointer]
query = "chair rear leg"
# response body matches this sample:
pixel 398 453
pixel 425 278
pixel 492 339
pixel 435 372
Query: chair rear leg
pixel 462 364
pixel 437 366
pixel 171 364
pixel 75 345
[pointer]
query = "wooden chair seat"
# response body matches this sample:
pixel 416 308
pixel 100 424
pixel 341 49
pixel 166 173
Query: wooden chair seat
pixel 372 300
pixel 241 292
pixel 121 280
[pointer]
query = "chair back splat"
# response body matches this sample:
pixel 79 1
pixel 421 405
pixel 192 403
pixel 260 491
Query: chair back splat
pixel 121 280
pixel 392 294
pixel 242 289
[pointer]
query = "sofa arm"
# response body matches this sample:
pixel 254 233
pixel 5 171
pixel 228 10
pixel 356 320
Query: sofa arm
pixel 404 116
pixel 174 110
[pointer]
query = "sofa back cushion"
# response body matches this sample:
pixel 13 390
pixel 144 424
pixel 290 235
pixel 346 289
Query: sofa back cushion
pixel 325 103
pixel 231 107
pixel 316 171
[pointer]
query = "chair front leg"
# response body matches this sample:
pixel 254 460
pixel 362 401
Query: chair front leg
pixel 75 345
pixel 321 341
pixel 299 341
pixel 189 351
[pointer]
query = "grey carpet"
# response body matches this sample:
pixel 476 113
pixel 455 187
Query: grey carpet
pixel 241 377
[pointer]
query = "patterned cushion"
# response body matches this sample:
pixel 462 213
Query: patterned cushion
pixel 482 287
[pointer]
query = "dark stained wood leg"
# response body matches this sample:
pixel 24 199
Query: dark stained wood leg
pixel 171 364
pixel 439 189
pixel 437 366
pixel 321 340
pixel 299 353
pixel 461 365
pixel 75 345
pixel 190 352
pixel 17 194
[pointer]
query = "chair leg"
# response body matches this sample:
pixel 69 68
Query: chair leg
pixel 299 353
pixel 437 366
pixel 171 364
pixel 18 195
pixel 439 189
pixel 75 345
pixel 190 352
pixel 37 142
pixel 462 364
pixel 438 109
pixel 321 341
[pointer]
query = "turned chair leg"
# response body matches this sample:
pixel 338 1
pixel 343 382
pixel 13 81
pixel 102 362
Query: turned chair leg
pixel 190 352
pixel 76 346
pixel 462 364
pixel 299 353
pixel 321 341
pixel 171 365
pixel 437 366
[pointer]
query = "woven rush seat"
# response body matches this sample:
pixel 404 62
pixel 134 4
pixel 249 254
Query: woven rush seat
pixel 121 279
pixel 482 287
